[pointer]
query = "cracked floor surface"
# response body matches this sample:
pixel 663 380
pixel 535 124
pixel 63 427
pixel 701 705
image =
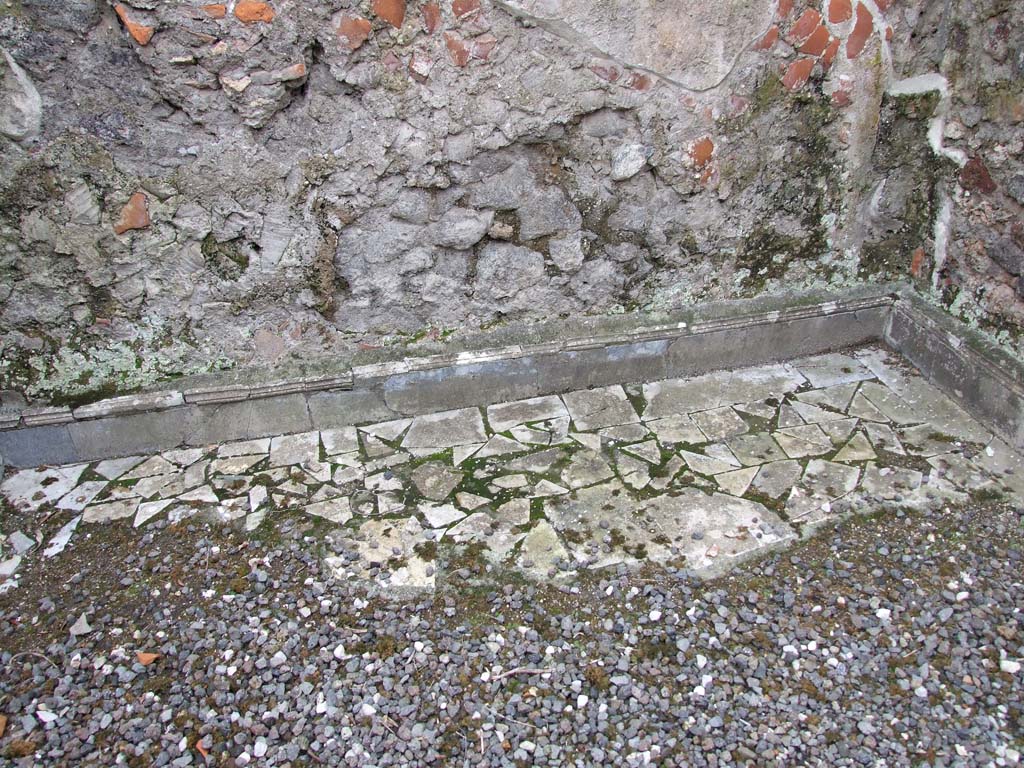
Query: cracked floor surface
pixel 695 473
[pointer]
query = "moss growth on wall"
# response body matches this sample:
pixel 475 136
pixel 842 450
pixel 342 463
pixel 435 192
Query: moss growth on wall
pixel 902 144
pixel 227 260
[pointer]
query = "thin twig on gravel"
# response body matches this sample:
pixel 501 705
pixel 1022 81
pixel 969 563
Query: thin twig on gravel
pixel 521 671
pixel 33 653
pixel 496 713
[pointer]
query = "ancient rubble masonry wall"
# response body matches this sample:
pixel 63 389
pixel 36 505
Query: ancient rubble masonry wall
pixel 186 187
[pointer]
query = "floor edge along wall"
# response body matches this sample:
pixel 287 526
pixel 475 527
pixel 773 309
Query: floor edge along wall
pixel 986 383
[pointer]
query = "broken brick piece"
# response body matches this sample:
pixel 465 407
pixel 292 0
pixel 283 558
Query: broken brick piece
pixel 841 97
pixel 482 47
pixel 296 71
pixel 215 10
pixel 861 32
pixel 134 215
pixel 975 176
pixel 606 71
pixel 252 11
pixel 457 49
pixel 353 31
pixel 392 11
pixel 830 53
pixel 139 32
pixel 840 11
pixel 769 39
pixel 638 81
pixel 917 263
pixel 785 8
pixel 462 8
pixel 431 17
pixel 815 44
pixel 804 26
pixel 420 66
pixel 701 151
pixel 797 74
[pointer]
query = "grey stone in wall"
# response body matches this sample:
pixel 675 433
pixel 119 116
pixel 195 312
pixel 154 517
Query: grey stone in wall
pixel 306 179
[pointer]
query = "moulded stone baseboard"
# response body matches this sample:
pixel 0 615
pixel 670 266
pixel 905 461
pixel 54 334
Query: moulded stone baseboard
pixel 734 334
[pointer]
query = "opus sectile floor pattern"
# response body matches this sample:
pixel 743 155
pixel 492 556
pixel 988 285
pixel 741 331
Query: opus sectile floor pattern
pixel 694 472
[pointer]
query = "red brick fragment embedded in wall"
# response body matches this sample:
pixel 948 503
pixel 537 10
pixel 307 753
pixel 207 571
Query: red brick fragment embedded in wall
pixel 830 53
pixel 816 44
pixel 134 215
pixel 251 11
pixel 139 32
pixel 457 49
pixel 975 177
pixel 702 151
pixel 431 17
pixel 606 71
pixel 463 8
pixel 804 27
pixel 353 31
pixel 917 263
pixel 638 81
pixel 392 11
pixel 769 39
pixel 862 29
pixel 840 11
pixel 797 74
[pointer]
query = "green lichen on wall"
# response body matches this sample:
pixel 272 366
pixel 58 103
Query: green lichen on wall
pixel 227 260
pixel 766 255
pixel 969 308
pixel 1000 100
pixel 808 188
pixel 85 369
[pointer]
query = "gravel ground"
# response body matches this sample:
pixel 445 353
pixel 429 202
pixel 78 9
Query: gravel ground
pixel 890 640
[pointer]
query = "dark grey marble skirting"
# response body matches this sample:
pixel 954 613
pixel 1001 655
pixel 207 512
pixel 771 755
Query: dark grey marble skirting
pixel 730 335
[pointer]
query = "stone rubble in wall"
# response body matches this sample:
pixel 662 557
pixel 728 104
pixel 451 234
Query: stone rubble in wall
pixel 323 180
pixel 694 473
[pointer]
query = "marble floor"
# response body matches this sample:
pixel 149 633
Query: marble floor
pixel 693 473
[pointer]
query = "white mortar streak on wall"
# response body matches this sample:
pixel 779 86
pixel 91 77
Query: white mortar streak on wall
pixel 562 30
pixel 932 81
pixel 941 235
pixel 880 26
